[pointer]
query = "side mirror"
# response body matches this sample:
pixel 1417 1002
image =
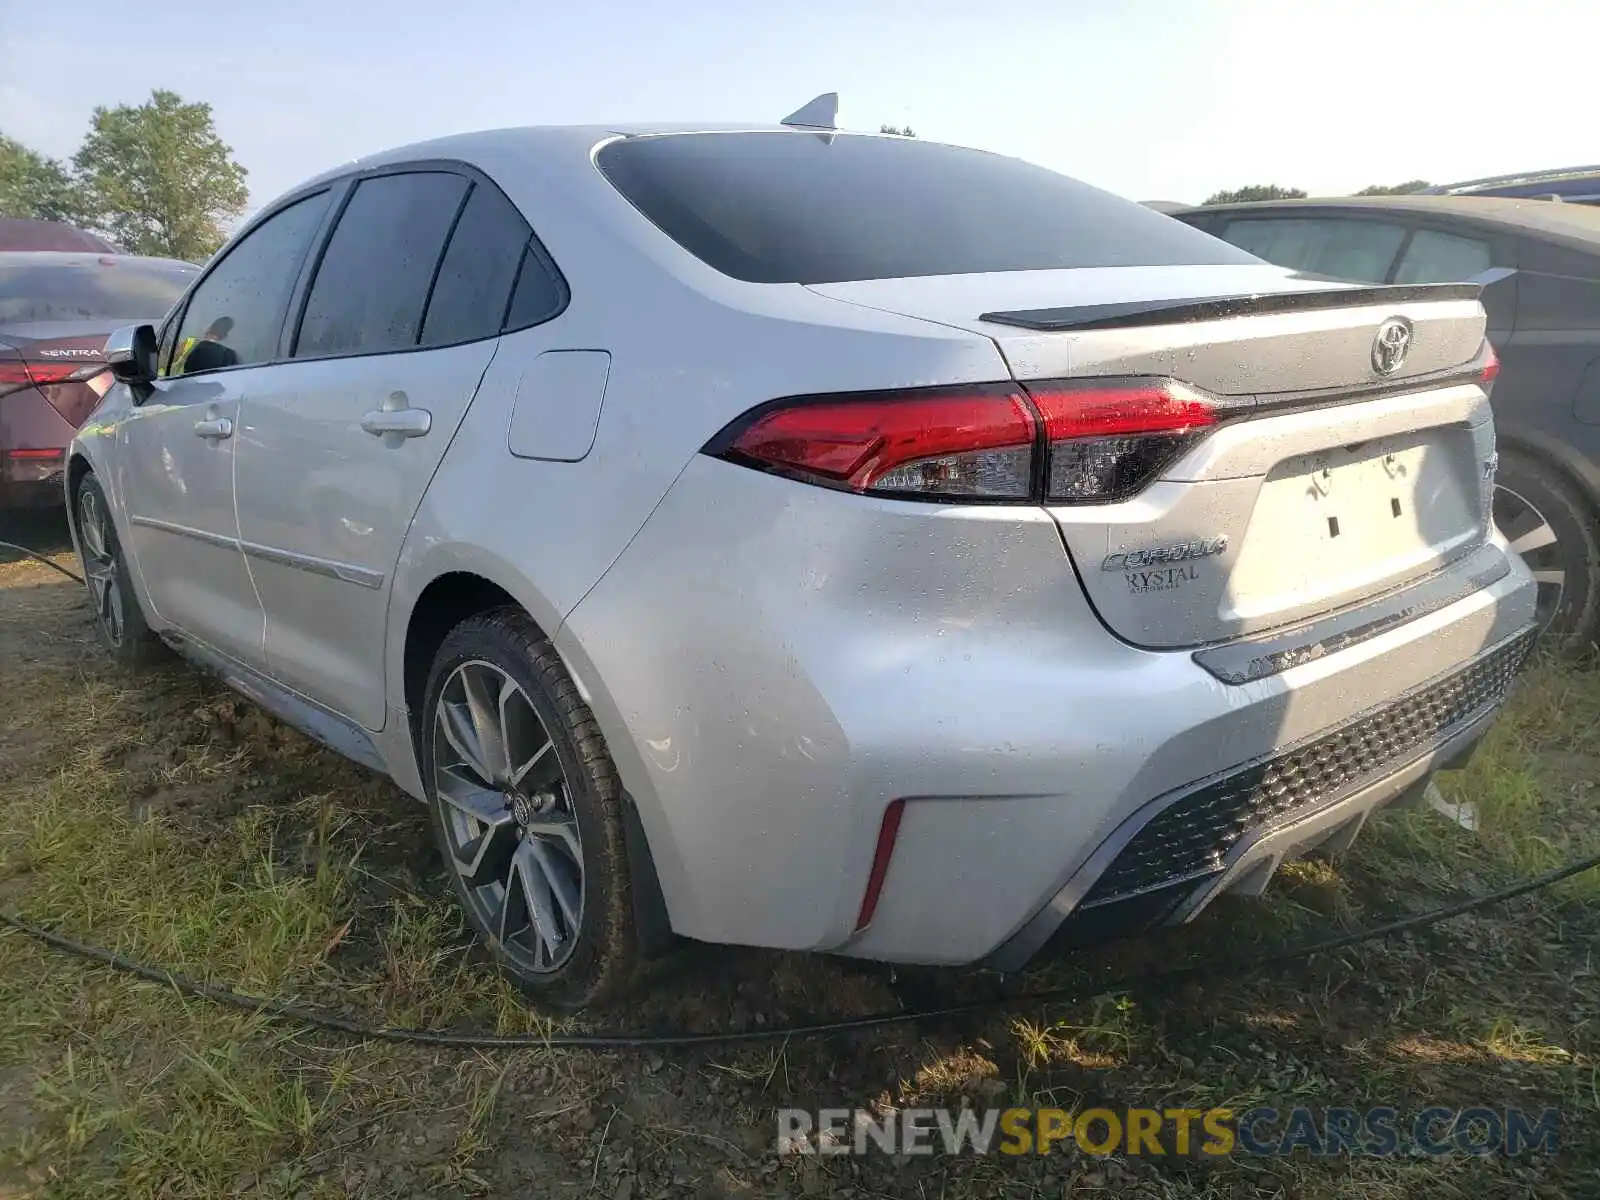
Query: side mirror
pixel 131 354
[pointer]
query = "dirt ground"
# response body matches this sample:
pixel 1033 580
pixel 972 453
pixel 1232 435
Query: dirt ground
pixel 164 817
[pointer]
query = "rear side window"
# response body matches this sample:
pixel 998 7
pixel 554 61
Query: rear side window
pixel 236 313
pixel 374 278
pixel 800 208
pixel 540 292
pixel 1435 257
pixel 81 287
pixel 474 284
pixel 1361 251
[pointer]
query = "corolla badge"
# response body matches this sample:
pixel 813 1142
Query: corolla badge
pixel 1132 560
pixel 1391 345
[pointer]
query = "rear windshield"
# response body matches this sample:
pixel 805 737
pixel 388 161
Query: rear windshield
pixel 804 208
pixel 45 288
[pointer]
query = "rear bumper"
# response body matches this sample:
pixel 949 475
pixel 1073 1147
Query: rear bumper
pixel 1176 855
pixel 33 442
pixel 40 490
pixel 31 483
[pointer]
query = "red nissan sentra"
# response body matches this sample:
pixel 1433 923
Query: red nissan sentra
pixel 56 308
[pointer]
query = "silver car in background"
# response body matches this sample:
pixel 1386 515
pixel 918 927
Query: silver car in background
pixel 811 540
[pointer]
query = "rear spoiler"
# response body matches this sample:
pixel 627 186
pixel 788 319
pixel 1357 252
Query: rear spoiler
pixel 1212 308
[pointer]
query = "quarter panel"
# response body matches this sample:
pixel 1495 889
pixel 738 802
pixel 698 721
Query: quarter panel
pixel 757 656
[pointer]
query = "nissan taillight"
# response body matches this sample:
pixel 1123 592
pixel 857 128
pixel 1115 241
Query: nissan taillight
pixel 16 374
pixel 1059 441
pixel 1490 371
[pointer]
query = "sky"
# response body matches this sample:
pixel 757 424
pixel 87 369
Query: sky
pixel 1153 99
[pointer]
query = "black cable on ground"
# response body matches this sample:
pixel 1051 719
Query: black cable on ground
pixel 35 555
pixel 325 1019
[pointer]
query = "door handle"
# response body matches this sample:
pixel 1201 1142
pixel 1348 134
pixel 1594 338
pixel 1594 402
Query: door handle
pixel 214 429
pixel 395 420
pixel 404 422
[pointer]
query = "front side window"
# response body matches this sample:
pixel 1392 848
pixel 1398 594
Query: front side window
pixel 236 313
pixel 373 283
pixel 1357 250
pixel 1434 257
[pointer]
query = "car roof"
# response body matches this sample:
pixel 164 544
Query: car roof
pixel 1523 183
pixel 78 258
pixel 24 233
pixel 558 139
pixel 1576 189
pixel 1548 219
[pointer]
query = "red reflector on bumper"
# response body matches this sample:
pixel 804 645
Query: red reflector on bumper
pixel 887 832
pixel 35 454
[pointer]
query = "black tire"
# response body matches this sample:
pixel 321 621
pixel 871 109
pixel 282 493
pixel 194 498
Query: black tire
pixel 117 613
pixel 603 957
pixel 1532 500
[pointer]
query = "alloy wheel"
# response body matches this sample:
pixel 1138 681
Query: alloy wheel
pixel 1533 537
pixel 506 810
pixel 100 564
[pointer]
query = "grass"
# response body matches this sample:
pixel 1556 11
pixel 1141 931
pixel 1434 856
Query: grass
pixel 165 818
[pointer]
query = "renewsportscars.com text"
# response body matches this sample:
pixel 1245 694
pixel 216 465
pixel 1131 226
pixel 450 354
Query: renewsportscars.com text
pixel 1262 1132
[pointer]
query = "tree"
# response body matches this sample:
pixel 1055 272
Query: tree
pixel 1255 191
pixel 162 182
pixel 1409 187
pixel 37 187
pixel 898 130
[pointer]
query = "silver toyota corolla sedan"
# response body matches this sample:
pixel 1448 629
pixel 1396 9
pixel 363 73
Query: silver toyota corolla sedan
pixel 811 540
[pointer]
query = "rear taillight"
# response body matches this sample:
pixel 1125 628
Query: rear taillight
pixel 1061 441
pixel 972 443
pixel 16 374
pixel 1491 365
pixel 1108 442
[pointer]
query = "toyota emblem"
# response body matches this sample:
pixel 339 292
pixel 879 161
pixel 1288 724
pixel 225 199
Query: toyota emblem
pixel 1390 347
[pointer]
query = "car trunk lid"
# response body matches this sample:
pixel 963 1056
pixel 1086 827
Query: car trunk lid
pixel 64 360
pixel 1338 469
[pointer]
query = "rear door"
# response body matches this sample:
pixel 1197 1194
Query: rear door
pixel 399 324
